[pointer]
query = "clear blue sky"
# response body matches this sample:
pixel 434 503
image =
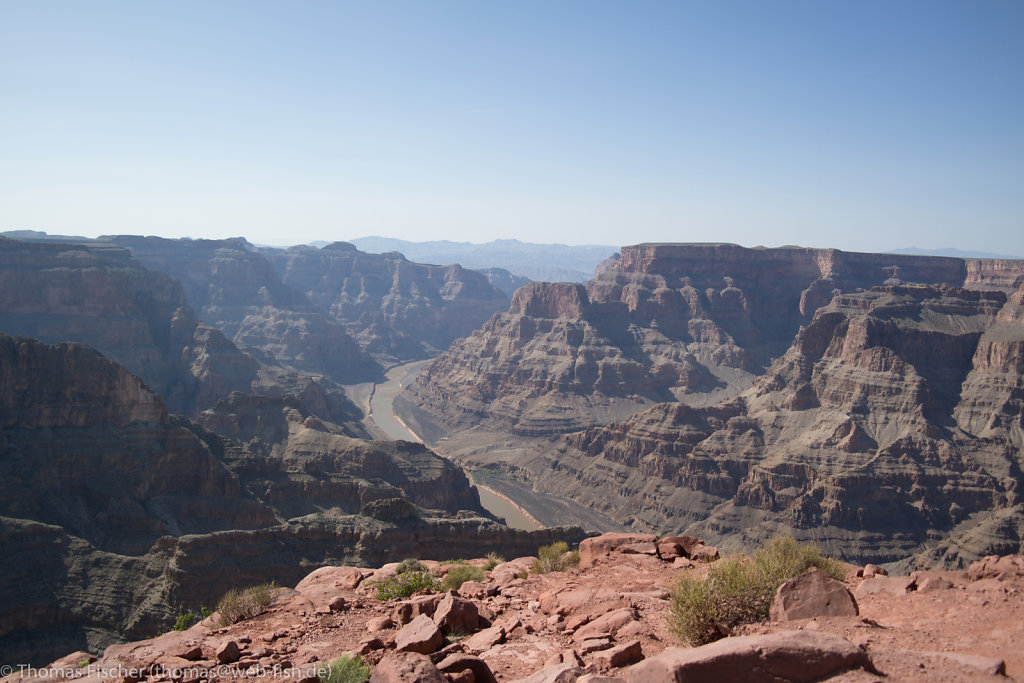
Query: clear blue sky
pixel 863 125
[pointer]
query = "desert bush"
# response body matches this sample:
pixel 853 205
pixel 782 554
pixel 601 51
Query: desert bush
pixel 245 603
pixel 410 565
pixel 187 618
pixel 405 584
pixel 346 669
pixel 460 574
pixel 493 560
pixel 739 590
pixel 555 558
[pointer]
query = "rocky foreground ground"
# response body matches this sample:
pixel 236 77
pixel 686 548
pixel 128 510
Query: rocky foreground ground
pixel 608 620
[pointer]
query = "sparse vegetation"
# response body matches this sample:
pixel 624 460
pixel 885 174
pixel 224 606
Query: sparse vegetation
pixel 186 619
pixel 458 561
pixel 405 584
pixel 555 558
pixel 739 590
pixel 346 669
pixel 493 560
pixel 410 565
pixel 460 574
pixel 238 604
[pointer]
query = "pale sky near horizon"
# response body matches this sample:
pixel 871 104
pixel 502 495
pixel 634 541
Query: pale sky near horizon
pixel 863 125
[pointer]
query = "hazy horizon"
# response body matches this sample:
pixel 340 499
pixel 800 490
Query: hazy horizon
pixel 865 127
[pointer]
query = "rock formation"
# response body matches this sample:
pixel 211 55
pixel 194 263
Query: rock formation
pixel 113 513
pixel 608 622
pixel 391 306
pixel 234 287
pixel 890 427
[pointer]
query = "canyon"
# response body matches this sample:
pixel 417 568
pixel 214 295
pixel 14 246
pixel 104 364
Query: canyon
pixel 870 403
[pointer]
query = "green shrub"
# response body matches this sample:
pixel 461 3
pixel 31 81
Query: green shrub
pixel 187 618
pixel 555 558
pixel 238 604
pixel 493 560
pixel 460 574
pixel 739 590
pixel 346 669
pixel 458 561
pixel 410 565
pixel 405 584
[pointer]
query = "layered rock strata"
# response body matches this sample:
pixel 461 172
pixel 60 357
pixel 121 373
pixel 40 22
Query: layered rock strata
pixel 235 288
pixel 891 428
pixel 113 513
pixel 689 323
pixel 390 305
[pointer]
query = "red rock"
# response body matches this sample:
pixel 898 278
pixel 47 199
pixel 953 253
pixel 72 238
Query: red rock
pixel 191 653
pixel 228 653
pixel 379 623
pixel 455 663
pixel 792 656
pixel 405 667
pixel 686 543
pixel 812 594
pixel 638 549
pixel 485 640
pixel 369 644
pixel 564 657
pixel 704 553
pixel 934 583
pixel 478 590
pixel 407 610
pixel 594 644
pixel 620 655
pixel 456 615
pixel 419 635
pixel 609 623
pixel 871 570
pixel 995 567
pixel 337 603
pixel 669 551
pixel 591 549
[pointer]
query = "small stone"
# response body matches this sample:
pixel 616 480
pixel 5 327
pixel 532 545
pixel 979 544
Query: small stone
pixel 595 644
pixel 379 623
pixel 337 603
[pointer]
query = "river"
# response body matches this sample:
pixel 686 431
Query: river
pixel 381 412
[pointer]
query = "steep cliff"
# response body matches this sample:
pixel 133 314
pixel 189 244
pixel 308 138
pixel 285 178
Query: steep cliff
pixel 235 288
pixel 863 437
pixel 690 322
pixel 100 296
pixel 391 306
pixel 113 514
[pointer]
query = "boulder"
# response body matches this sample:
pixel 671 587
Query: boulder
pixel 419 635
pixel 704 553
pixel 601 546
pixel 686 543
pixel 456 615
pixel 995 567
pixel 486 639
pixel 620 655
pixel 454 663
pixel 609 623
pixel 812 594
pixel 407 610
pixel 402 667
pixel 228 653
pixel 792 656
pixel 478 590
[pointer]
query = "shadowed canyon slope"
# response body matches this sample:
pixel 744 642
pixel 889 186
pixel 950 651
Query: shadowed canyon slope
pixel 390 305
pixel 235 288
pixel 114 514
pixel 880 423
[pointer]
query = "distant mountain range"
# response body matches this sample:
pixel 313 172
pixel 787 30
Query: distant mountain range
pixel 544 262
